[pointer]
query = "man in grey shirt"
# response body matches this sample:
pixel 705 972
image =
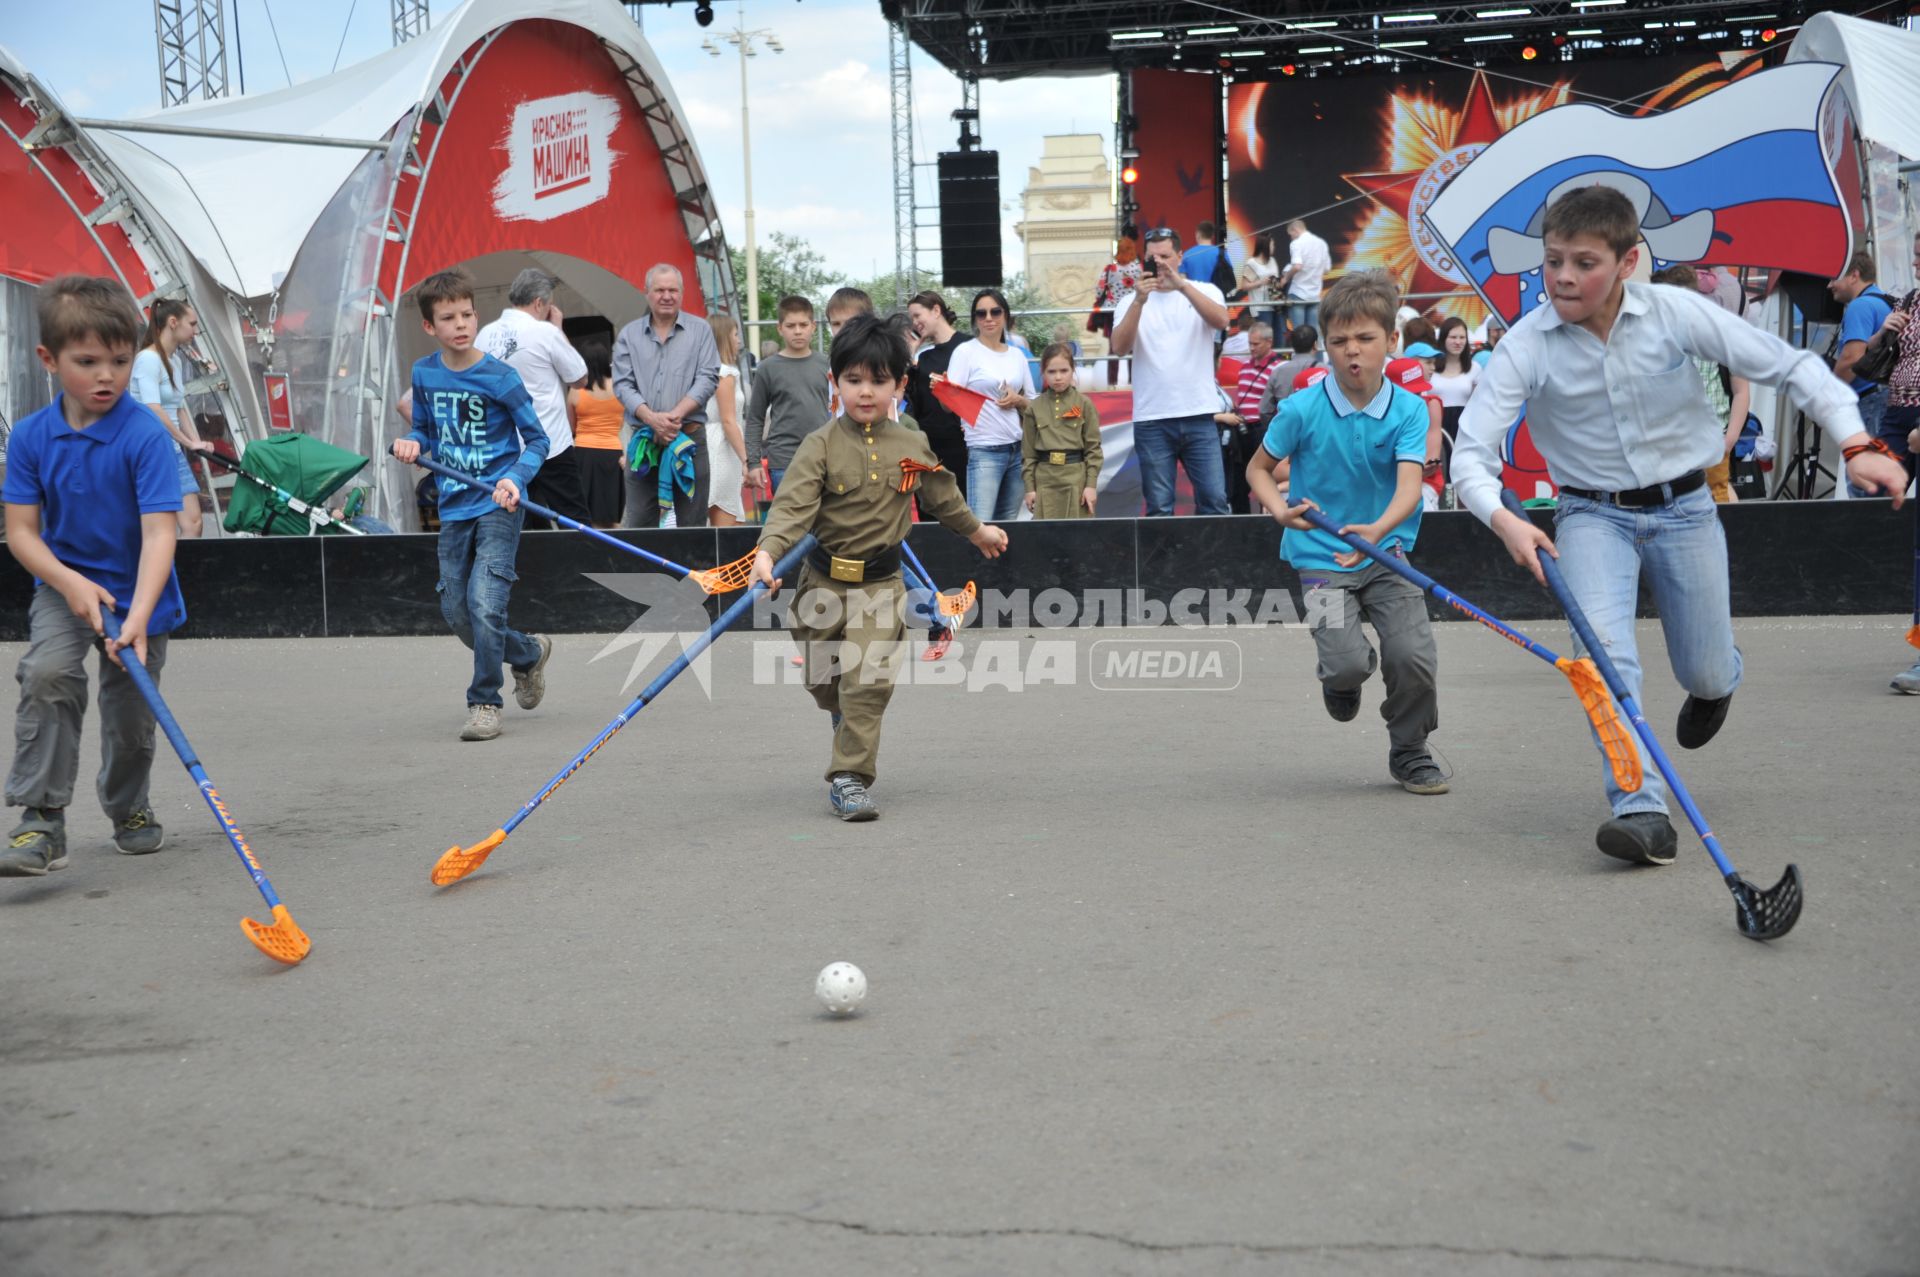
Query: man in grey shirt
pixel 665 369
pixel 793 390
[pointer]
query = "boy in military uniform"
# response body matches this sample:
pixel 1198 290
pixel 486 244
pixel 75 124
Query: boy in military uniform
pixel 1060 443
pixel 852 485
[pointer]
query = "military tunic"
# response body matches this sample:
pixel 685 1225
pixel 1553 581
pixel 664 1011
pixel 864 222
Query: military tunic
pixel 1053 428
pixel 853 487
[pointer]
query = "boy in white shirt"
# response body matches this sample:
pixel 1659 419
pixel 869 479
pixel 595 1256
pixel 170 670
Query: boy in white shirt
pixel 1606 376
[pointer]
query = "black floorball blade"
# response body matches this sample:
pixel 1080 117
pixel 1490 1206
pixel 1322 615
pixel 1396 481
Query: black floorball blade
pixel 1770 914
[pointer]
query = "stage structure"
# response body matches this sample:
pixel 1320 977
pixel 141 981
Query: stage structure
pixel 513 133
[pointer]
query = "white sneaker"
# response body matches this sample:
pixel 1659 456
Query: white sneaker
pixel 483 723
pixel 1908 681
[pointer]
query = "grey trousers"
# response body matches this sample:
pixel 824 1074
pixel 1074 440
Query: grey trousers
pixel 689 508
pixel 1336 603
pixel 53 698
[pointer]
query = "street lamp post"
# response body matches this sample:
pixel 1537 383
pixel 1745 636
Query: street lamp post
pixel 744 39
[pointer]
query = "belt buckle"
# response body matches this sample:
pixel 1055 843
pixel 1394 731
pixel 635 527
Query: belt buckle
pixel 1056 458
pixel 853 570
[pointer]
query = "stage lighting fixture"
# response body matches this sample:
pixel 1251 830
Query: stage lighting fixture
pixel 1768 36
pixel 1129 175
pixel 703 13
pixel 1288 69
pixel 1529 53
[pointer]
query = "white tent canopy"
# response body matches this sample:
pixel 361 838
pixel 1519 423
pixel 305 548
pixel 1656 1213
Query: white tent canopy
pixel 243 208
pixel 1882 76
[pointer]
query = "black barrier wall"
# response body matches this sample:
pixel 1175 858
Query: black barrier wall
pixel 1788 558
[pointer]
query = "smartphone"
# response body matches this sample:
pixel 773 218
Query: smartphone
pixel 1151 266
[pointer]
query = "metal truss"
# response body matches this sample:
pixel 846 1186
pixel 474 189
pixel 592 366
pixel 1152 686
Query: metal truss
pixel 1004 39
pixel 192 39
pixel 906 245
pixel 410 18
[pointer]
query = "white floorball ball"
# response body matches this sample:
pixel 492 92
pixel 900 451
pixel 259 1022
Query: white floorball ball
pixel 841 988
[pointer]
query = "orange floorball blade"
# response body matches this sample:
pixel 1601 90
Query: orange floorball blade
pixel 458 862
pixel 958 605
pixel 1615 740
pixel 282 940
pixel 726 578
pixel 1913 636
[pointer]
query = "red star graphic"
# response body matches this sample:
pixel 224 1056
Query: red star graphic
pixel 1477 124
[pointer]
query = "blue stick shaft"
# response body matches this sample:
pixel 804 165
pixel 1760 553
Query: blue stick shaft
pixel 1577 617
pixel 740 608
pixel 181 746
pixel 428 463
pixel 1430 586
pixel 917 569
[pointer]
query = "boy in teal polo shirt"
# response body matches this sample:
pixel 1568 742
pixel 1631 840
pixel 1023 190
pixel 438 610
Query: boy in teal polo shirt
pixel 92 491
pixel 1357 446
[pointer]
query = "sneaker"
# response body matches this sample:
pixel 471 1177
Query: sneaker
pixel 37 846
pixel 1639 837
pixel 1907 681
pixel 1344 706
pixel 483 723
pixel 530 684
pixel 1423 777
pixel 139 834
pixel 1700 720
pixel 850 799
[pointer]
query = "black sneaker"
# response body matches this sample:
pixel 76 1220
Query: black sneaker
pixel 1639 837
pixel 1423 777
pixel 139 834
pixel 850 798
pixel 36 847
pixel 1700 720
pixel 1344 706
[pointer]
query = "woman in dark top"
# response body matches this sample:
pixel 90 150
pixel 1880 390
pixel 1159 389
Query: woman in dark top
pixel 934 323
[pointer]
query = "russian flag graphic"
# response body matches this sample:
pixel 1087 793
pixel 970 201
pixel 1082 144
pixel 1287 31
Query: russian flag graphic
pixel 1742 177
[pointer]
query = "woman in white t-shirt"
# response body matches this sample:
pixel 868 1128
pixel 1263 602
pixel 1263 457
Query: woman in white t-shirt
pixel 992 367
pixel 1454 374
pixel 1257 275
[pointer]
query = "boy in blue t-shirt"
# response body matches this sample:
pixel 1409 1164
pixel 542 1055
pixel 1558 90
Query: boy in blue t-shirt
pixel 1357 446
pixel 92 493
pixel 472 413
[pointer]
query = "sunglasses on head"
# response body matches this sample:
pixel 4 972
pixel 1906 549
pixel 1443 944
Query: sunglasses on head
pixel 988 312
pixel 1164 232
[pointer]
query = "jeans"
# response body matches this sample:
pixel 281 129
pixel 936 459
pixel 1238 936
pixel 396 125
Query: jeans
pixel 1873 412
pixel 1195 443
pixel 994 486
pixel 476 576
pixel 1299 313
pixel 1681 550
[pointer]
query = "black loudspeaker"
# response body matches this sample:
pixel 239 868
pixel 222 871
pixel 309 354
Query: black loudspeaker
pixel 1810 294
pixel 970 218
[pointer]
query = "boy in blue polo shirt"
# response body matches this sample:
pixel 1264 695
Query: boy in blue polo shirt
pixel 472 413
pixel 92 493
pixel 1357 446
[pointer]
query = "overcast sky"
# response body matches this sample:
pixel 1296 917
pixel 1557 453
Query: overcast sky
pixel 823 165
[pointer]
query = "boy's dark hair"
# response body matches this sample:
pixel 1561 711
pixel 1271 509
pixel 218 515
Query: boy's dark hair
pixel 793 304
pixel 1361 295
pixel 1418 330
pixel 1205 230
pixel 72 307
pixel 846 299
pixel 1680 275
pixel 1304 339
pixel 871 343
pixel 597 350
pixel 447 286
pixel 1599 211
pixel 1058 350
pixel 1861 264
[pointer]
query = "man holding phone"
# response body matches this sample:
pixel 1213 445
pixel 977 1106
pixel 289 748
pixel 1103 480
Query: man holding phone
pixel 1167 324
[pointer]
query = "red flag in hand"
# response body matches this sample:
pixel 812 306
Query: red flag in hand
pixel 961 402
